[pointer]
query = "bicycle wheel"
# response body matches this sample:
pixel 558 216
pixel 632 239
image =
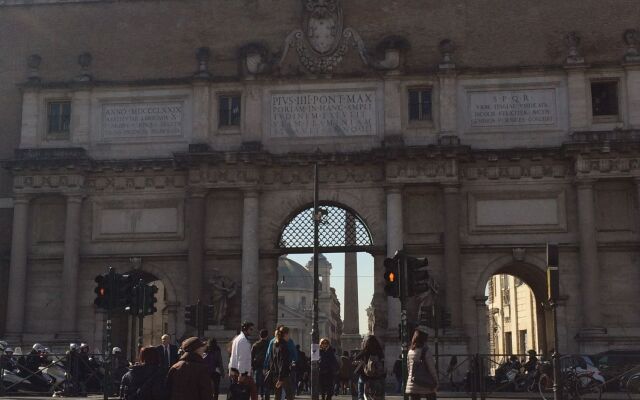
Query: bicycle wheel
pixel 545 387
pixel 587 386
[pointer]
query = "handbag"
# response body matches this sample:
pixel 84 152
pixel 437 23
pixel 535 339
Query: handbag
pixel 420 374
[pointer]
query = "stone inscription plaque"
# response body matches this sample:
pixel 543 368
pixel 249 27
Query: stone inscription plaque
pixel 141 120
pixel 494 109
pixel 323 113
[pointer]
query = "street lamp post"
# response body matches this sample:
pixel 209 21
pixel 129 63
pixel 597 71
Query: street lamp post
pixel 315 333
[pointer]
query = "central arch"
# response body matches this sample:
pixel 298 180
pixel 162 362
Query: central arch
pixel 341 230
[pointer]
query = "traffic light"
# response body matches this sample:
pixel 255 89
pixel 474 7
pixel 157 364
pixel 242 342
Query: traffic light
pixel 150 300
pixel 123 291
pixel 553 274
pixel 417 276
pixel 191 315
pixel 102 292
pixel 135 304
pixel 392 276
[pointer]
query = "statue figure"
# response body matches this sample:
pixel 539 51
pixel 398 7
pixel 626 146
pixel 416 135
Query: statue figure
pixel 222 289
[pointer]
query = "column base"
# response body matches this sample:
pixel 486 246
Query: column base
pixel 14 339
pixel 68 336
pixel 351 341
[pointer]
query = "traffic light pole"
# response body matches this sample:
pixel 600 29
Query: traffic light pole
pixel 200 319
pixel 315 334
pixel 404 335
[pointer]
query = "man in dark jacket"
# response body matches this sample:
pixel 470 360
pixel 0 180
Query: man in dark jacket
pixel 145 380
pixel 189 379
pixel 168 352
pixel 258 355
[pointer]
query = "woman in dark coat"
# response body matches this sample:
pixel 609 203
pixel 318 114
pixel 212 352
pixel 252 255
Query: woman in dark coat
pixel 328 366
pixel 189 378
pixel 213 358
pixel 280 365
pixel 145 379
pixel 371 354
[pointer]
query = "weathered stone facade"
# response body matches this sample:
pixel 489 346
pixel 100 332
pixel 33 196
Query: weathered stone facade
pixel 511 157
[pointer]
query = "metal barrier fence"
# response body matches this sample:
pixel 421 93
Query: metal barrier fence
pixel 66 374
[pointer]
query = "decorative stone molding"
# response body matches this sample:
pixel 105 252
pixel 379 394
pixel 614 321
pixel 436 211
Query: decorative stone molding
pixel 48 182
pixel 139 183
pixel 608 167
pixel 519 253
pixel 203 55
pixel 416 171
pixel 515 172
pixel 632 40
pixel 84 60
pixel 573 40
pixel 447 48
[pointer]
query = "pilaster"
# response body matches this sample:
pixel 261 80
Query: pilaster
pixel 68 319
pixel 196 219
pixel 395 242
pixel 452 253
pixel 578 98
pixel 201 110
pixel 29 130
pixel 250 256
pixel 81 116
pixel 18 269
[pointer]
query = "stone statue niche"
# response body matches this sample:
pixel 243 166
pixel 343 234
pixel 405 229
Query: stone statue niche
pixel 223 289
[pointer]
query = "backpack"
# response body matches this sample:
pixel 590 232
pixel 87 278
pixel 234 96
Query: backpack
pixel 374 368
pixel 238 391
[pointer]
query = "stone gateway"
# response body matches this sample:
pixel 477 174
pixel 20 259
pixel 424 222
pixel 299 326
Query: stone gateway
pixel 184 158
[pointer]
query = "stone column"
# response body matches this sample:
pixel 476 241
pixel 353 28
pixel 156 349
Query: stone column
pixel 452 253
pixel 18 269
pixel 637 179
pixel 395 242
pixel 68 319
pixel 633 94
pixel 351 328
pixel 589 269
pixel 250 257
pixel 196 212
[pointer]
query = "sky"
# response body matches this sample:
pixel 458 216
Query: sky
pixel 365 280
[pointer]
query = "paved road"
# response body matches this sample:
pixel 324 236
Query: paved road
pixel 448 396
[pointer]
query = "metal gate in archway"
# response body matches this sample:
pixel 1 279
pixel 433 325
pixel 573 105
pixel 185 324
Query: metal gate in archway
pixel 341 230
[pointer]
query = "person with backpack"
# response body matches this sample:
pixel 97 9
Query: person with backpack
pixel 422 379
pixel 328 367
pixel 258 355
pixel 145 380
pixel 370 370
pixel 279 373
pixel 213 358
pixel 189 379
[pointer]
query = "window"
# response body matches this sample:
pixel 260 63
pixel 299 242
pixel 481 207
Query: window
pixel 419 104
pixel 523 341
pixel 58 117
pixel 604 98
pixel 508 345
pixel 229 110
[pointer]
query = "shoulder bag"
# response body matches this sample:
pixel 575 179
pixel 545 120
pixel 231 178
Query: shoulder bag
pixel 420 374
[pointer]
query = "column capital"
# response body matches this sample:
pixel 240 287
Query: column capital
pixel 197 192
pixel 393 188
pixel 451 187
pixel 251 192
pixel 585 183
pixel 21 198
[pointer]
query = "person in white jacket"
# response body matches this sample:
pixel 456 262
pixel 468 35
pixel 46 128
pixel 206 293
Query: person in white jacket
pixel 240 358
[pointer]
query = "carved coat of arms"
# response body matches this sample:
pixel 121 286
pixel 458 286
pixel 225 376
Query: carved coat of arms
pixel 322 42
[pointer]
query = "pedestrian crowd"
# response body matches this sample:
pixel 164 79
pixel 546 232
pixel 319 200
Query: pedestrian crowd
pixel 259 367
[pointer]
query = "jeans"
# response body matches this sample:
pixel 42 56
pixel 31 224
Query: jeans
pixel 263 390
pixel 287 388
pixel 360 388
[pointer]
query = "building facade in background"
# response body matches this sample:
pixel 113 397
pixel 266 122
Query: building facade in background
pixel 513 324
pixel 183 135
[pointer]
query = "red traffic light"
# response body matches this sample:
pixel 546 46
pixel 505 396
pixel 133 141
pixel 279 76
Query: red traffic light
pixel 391 277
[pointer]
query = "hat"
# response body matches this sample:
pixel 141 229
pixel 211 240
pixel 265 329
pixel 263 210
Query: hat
pixel 423 329
pixel 192 344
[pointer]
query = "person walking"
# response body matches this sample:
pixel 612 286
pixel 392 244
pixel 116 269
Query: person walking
pixel 189 378
pixel 213 358
pixel 397 372
pixel 258 355
pixel 422 379
pixel 168 352
pixel 346 373
pixel 370 370
pixel 145 380
pixel 328 367
pixel 280 365
pixel 240 358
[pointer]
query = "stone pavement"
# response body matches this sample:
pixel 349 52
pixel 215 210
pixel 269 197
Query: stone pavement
pixel 446 395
